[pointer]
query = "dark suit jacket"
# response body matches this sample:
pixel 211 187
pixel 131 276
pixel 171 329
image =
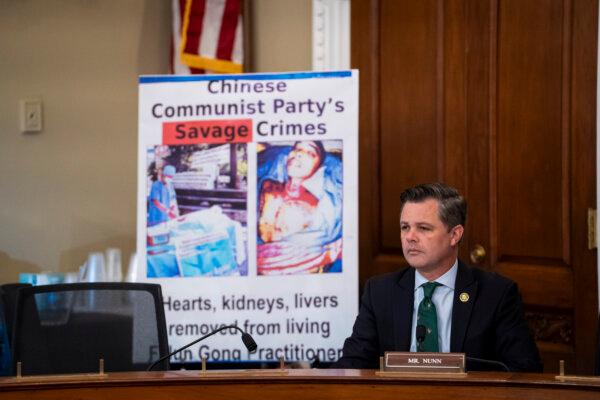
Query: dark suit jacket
pixel 490 325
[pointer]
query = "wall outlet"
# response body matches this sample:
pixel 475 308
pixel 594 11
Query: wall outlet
pixel 31 115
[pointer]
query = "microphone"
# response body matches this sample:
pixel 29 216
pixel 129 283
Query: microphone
pixel 420 335
pixel 421 331
pixel 246 338
pixel 489 363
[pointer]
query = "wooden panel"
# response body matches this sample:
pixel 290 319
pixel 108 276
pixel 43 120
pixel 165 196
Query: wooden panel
pixel 541 285
pixel 531 200
pixel 479 124
pixel 583 171
pixel 365 57
pixel 408 109
pixel 454 143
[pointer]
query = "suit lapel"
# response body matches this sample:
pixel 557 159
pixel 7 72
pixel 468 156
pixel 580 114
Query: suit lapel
pixel 465 286
pixel 403 303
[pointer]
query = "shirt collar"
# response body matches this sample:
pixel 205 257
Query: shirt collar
pixel 448 279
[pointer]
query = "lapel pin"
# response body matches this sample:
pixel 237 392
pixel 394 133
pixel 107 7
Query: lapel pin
pixel 464 297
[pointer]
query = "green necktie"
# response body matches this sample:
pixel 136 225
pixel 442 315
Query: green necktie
pixel 427 316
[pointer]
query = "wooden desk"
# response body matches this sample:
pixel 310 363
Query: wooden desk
pixel 298 384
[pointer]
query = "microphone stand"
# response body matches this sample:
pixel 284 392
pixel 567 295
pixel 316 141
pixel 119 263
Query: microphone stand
pixel 246 338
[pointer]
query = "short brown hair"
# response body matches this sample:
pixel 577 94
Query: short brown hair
pixel 452 206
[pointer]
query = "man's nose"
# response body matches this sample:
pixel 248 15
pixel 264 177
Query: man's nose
pixel 409 235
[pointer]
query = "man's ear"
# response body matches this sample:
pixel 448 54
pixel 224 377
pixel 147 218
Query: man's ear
pixel 456 235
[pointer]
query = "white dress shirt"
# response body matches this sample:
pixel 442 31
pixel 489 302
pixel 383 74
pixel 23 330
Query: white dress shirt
pixel 443 299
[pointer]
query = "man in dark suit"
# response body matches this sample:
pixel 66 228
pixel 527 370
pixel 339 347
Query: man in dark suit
pixel 439 304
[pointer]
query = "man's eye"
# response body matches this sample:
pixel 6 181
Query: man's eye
pixel 404 228
pixel 424 228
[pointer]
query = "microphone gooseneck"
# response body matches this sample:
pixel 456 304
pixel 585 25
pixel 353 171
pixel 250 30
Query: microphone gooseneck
pixel 493 363
pixel 246 339
pixel 421 332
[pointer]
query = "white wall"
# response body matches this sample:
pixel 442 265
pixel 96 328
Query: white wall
pixel 281 35
pixel 71 189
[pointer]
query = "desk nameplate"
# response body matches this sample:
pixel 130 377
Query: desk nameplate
pixel 423 363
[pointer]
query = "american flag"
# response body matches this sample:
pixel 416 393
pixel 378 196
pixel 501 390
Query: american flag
pixel 207 36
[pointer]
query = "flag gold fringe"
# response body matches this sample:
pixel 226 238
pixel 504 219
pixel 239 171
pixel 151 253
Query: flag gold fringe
pixel 197 61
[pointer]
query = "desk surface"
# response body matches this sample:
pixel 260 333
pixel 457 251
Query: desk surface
pixel 294 384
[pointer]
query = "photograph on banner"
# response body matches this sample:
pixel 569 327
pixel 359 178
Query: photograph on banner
pixel 299 196
pixel 197 210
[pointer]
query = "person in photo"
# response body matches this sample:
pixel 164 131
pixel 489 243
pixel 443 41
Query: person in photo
pixel 299 209
pixel 162 205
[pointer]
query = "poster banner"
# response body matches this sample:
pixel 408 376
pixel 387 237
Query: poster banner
pixel 247 210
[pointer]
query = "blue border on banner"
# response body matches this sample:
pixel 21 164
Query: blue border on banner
pixel 250 77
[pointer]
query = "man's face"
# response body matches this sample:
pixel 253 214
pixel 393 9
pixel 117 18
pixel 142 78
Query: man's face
pixel 303 160
pixel 426 242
